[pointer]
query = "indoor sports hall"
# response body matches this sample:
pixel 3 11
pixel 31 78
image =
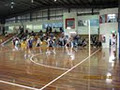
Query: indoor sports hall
pixel 59 44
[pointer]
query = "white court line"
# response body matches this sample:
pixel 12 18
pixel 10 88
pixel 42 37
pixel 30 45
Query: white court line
pixel 32 88
pixel 18 85
pixel 31 59
pixel 8 40
pixel 68 71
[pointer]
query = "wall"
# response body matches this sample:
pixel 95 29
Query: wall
pixel 79 30
pixel 109 11
pixel 40 16
pixel 106 28
pixel 83 30
pixel 67 16
pixel 32 24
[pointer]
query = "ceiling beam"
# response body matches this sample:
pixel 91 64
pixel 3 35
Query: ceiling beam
pixel 41 4
pixel 29 4
pixel 82 3
pixel 65 3
pixel 72 6
pixel 70 2
pixel 46 2
pixel 76 1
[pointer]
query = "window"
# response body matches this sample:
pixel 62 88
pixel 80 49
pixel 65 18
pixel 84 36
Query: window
pixel 53 25
pixel 45 25
pixel 35 27
pixel 29 27
pixel 94 22
pixel 82 23
pixel 11 29
pixel 108 18
pixel 57 25
pixel 112 18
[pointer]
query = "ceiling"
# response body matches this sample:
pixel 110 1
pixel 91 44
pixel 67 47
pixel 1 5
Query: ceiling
pixel 24 6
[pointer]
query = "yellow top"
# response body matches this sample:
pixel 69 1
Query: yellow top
pixel 23 44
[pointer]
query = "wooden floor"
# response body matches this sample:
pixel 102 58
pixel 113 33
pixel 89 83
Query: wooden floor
pixel 32 70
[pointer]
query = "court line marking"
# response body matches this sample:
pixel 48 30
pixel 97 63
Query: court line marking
pixel 18 85
pixel 68 70
pixel 32 88
pixel 3 43
pixel 31 59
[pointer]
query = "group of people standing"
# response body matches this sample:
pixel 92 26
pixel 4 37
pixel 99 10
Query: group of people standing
pixel 27 43
pixel 49 41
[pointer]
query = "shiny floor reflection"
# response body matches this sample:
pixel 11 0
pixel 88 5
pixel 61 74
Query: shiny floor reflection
pixel 99 73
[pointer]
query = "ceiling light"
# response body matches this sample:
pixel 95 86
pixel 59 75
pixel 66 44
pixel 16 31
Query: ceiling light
pixel 32 1
pixel 55 0
pixel 12 3
pixel 12 7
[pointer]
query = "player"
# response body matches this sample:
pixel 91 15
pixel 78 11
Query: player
pixel 50 46
pixel 38 44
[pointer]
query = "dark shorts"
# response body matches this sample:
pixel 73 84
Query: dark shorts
pixel 30 46
pixel 68 45
pixel 38 45
pixel 50 45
